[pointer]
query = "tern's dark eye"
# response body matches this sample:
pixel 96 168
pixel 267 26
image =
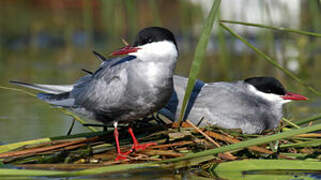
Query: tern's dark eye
pixel 146 41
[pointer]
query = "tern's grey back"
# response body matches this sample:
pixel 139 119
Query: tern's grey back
pixel 227 105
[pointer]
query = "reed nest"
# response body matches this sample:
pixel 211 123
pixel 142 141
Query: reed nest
pixel 96 149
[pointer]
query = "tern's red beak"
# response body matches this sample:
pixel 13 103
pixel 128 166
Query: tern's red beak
pixel 293 96
pixel 125 50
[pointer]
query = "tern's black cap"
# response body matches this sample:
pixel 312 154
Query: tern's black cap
pixel 267 85
pixel 154 34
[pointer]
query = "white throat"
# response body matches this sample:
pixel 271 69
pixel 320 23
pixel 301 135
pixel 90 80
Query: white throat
pixel 273 98
pixel 157 51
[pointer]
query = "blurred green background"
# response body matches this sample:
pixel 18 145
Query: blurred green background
pixel 49 41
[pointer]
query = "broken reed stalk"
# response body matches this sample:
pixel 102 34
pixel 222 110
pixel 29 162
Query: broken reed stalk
pixel 233 141
pixel 205 135
pixel 291 123
pixel 227 154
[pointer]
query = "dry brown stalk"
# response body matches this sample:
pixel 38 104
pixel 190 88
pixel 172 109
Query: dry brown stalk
pixel 163 153
pixel 44 149
pixel 227 155
pixel 112 162
pixel 184 125
pixel 181 143
pixel 310 135
pixel 233 140
pixel 205 135
pixel 143 157
pixel 124 42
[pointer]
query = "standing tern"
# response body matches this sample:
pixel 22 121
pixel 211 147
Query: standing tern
pixel 122 89
pixel 253 105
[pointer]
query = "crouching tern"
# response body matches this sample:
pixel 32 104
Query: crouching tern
pixel 253 105
pixel 122 89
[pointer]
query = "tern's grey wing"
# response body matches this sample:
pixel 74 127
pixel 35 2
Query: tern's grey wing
pixel 84 86
pixel 230 105
pixel 203 99
pixel 105 87
pixel 48 88
pixel 63 98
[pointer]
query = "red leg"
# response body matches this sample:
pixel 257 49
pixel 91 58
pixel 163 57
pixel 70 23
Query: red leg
pixel 136 146
pixel 120 155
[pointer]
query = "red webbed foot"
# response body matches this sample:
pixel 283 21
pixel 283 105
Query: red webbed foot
pixel 136 146
pixel 123 156
pixel 142 147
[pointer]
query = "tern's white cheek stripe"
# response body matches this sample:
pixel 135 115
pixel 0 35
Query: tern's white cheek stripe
pixel 162 50
pixel 273 98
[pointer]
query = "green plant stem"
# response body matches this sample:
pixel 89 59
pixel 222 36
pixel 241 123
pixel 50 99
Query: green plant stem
pixel 309 119
pixel 272 27
pixel 93 171
pixel 271 61
pixel 26 172
pixel 9 147
pixel 312 143
pixel 12 146
pixel 199 55
pixel 262 168
pixel 291 123
pixel 19 90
